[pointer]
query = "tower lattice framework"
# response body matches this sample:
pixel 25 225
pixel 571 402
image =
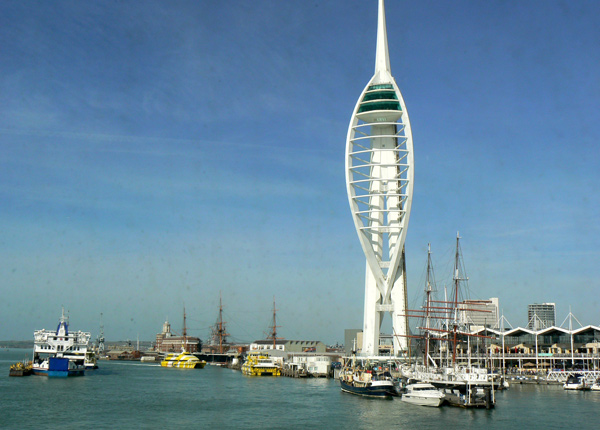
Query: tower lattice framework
pixel 379 181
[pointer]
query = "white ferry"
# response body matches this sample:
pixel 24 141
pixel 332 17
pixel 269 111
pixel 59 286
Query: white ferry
pixel 60 353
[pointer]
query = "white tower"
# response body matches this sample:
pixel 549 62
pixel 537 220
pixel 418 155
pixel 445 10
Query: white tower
pixel 379 180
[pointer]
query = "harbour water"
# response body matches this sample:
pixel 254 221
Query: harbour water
pixel 126 395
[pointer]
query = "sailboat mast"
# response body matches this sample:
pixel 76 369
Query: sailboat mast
pixel 456 285
pixel 428 304
pixel 274 331
pixel 220 324
pixel 184 345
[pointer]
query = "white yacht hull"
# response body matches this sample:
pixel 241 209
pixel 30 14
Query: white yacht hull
pixel 423 394
pixel 423 401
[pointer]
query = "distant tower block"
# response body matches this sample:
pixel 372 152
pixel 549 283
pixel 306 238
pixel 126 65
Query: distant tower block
pixel 379 180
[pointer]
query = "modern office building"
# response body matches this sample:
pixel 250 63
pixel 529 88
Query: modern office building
pixel 379 182
pixel 481 313
pixel 541 315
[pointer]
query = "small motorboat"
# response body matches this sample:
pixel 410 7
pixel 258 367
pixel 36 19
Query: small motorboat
pixel 423 394
pixel 575 382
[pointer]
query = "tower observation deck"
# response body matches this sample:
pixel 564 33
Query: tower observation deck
pixel 379 181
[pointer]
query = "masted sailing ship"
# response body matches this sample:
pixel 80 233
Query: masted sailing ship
pixel 259 363
pixel 443 328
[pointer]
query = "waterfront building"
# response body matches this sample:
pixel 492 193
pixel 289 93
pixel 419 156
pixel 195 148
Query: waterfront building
pixel 289 346
pixel 541 315
pixel 550 347
pixel 481 313
pixel 167 341
pixel 351 340
pixel 315 365
pixel 379 182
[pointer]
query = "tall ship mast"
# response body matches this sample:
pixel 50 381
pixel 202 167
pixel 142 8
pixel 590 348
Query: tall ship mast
pixel 457 307
pixel 184 346
pixel 220 331
pixel 428 314
pixel 428 291
pixel 445 320
pixel 273 327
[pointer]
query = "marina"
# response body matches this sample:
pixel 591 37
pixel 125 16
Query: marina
pixel 149 171
pixel 135 394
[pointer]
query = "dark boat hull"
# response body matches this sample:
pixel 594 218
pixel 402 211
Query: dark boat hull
pixel 369 391
pixel 20 372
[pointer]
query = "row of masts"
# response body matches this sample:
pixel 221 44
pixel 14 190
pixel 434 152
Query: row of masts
pixel 219 331
pixel 273 334
pixel 446 312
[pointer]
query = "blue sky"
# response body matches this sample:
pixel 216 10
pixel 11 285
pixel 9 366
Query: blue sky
pixel 159 153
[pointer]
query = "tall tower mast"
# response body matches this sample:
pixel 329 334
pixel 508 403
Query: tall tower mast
pixel 379 181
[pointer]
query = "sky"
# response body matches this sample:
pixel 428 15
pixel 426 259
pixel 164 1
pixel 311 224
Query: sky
pixel 156 155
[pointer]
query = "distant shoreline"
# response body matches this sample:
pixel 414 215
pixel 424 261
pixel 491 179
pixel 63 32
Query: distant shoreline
pixel 16 344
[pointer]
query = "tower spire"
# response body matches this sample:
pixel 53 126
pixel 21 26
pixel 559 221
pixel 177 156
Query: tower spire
pixel 379 181
pixel 382 55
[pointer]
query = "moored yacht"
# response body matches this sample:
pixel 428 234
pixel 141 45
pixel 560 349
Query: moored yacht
pixel 575 382
pixel 423 394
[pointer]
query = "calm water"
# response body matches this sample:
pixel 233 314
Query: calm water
pixel 123 395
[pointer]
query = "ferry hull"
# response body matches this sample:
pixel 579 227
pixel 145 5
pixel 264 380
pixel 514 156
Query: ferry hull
pixel 58 368
pixel 259 365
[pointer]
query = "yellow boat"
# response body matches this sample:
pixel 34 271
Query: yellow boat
pixel 260 365
pixel 21 368
pixel 183 360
